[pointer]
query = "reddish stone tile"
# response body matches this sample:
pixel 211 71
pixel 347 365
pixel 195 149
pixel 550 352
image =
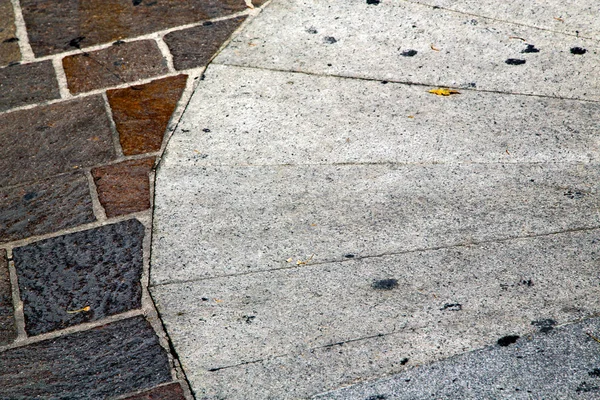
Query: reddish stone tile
pixel 141 113
pixel 23 84
pixel 115 65
pixel 125 187
pixel 55 26
pixel 9 44
pixel 47 206
pixel 171 391
pixel 195 46
pixel 8 330
pixel 49 140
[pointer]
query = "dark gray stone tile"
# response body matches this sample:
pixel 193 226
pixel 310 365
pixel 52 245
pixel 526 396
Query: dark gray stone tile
pixel 80 277
pixel 26 84
pixel 53 139
pixel 8 330
pixel 47 206
pixel 101 363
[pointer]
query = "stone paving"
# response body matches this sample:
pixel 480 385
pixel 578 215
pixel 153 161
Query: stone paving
pixel 89 93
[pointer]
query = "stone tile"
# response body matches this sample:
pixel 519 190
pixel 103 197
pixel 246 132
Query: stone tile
pixel 253 218
pixel 472 51
pixel 46 206
pixel 8 329
pixel 194 47
pixel 141 113
pixel 100 363
pixel 60 277
pixel 171 391
pixel 48 140
pixel 251 117
pixel 275 334
pixel 24 84
pixel 125 187
pixel 115 65
pixel 55 27
pixel 9 45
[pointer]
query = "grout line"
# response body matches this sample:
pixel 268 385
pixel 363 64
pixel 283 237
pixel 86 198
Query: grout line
pixel 166 53
pixel 16 297
pixel 97 207
pixel 63 86
pixel 21 32
pixel 113 127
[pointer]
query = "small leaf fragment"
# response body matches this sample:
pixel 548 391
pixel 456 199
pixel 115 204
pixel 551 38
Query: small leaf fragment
pixel 433 47
pixel 290 259
pixel 444 91
pixel 84 309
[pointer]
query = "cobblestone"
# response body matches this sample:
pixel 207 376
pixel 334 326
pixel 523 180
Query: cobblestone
pixel 24 84
pixel 8 330
pixel 9 46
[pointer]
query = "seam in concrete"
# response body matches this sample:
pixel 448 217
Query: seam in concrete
pixel 21 32
pixel 113 127
pixel 390 254
pixel 18 314
pixel 97 208
pixel 166 53
pixel 61 78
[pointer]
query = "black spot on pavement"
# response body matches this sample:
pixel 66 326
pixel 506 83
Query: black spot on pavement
pixel 595 373
pixel 404 361
pixel 545 325
pixel 527 282
pixel 207 23
pixel 76 42
pixel 118 43
pixel 384 82
pixel 349 255
pixel 578 51
pixel 206 130
pixel 330 39
pixel 377 397
pixel 11 40
pixel 514 61
pixel 137 2
pixel 248 318
pixel 312 30
pixel 507 340
pixel 585 387
pixel 373 2
pixel 573 194
pixel 385 284
pixel 530 49
pixel 29 196
pixel 452 307
pixel 409 53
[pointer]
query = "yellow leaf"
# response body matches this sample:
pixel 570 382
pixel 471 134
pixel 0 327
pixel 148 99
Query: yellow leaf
pixel 434 48
pixel 444 91
pixel 86 308
pixel 411 116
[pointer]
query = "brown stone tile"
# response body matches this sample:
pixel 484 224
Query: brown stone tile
pixel 23 84
pixel 9 44
pixel 8 330
pixel 195 46
pixel 47 206
pixel 48 140
pixel 115 65
pixel 141 113
pixel 171 391
pixel 124 188
pixel 55 26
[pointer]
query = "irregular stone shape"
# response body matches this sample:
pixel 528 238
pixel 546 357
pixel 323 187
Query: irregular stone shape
pixel 115 65
pixel 228 331
pixel 8 329
pixel 142 113
pixel 46 206
pixel 9 44
pixel 80 277
pixel 24 84
pixel 100 363
pixel 453 49
pixel 55 27
pixel 562 364
pixel 575 18
pixel 194 47
pixel 125 187
pixel 243 219
pixel 171 391
pixel 252 117
pixel 53 139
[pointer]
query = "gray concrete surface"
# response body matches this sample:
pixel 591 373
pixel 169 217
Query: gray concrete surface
pixel 316 227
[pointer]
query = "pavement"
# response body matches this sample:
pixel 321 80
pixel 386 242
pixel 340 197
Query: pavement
pixel 299 199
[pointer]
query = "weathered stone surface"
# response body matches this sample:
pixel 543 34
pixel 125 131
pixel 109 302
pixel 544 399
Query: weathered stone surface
pixel 59 278
pixel 46 206
pixel 195 46
pixel 101 363
pixel 56 27
pixel 49 140
pixel 171 391
pixel 23 84
pixel 125 187
pixel 115 65
pixel 8 330
pixel 141 113
pixel 9 46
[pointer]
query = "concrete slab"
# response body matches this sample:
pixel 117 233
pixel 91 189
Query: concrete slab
pixel 246 116
pixel 395 311
pixel 561 364
pixel 408 42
